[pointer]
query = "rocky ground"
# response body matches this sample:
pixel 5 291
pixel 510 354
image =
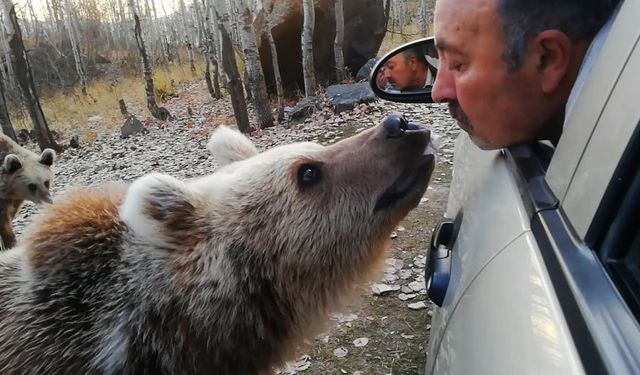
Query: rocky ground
pixel 386 332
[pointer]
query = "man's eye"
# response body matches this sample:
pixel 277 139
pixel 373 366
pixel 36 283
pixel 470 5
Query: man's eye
pixel 455 67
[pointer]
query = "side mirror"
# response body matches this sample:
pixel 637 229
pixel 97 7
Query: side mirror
pixel 407 73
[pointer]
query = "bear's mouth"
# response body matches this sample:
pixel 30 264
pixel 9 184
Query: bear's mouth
pixel 404 184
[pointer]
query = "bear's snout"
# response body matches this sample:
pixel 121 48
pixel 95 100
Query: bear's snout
pixel 396 124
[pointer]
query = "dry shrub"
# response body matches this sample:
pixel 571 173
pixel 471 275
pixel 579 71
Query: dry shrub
pixel 71 110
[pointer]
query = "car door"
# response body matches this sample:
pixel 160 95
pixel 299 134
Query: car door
pixel 520 269
pixel 500 313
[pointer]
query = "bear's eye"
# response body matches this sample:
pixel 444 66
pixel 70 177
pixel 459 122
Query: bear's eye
pixel 32 187
pixel 308 175
pixel 46 184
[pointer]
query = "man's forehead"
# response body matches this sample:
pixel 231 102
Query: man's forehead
pixel 456 22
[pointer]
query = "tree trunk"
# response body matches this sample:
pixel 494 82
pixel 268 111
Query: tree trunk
pixel 387 15
pixel 199 16
pixel 160 113
pixel 75 46
pixel 337 44
pixel 423 18
pixel 24 77
pixel 254 71
pixel 123 107
pixel 216 78
pixel 212 44
pixel 192 66
pixel 5 120
pixel 207 77
pixel 307 49
pixel 234 83
pixel 7 56
pixel 276 68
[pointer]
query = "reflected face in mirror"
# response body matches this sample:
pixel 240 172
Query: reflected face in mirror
pixel 406 70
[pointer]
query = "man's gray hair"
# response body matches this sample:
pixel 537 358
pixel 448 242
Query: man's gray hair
pixel 523 19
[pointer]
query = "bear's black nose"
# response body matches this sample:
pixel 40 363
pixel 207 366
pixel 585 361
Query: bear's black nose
pixel 395 124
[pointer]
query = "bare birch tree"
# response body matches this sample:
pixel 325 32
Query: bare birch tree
pixel 232 75
pixel 6 58
pixel 160 113
pixel 75 45
pixel 308 70
pixel 423 18
pixel 211 48
pixel 5 120
pixel 338 42
pixel 24 76
pixel 253 67
pixel 274 61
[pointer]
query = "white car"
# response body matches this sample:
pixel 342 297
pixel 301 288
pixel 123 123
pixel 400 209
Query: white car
pixel 535 268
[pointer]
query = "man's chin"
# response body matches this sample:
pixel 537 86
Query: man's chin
pixel 482 144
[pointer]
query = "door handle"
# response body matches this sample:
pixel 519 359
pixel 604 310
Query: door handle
pixel 438 268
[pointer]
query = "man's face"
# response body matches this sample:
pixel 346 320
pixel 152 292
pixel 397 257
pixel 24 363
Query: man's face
pixel 401 72
pixel 496 106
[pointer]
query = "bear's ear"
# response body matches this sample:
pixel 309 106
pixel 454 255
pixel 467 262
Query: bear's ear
pixel 48 157
pixel 11 163
pixel 229 146
pixel 164 211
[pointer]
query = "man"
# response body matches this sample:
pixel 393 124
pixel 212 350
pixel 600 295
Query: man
pixel 406 71
pixel 507 67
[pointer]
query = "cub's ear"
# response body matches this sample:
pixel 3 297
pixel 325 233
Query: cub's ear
pixel 229 146
pixel 162 210
pixel 48 157
pixel 11 163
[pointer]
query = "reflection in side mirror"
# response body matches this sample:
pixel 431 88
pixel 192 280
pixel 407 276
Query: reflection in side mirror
pixel 407 73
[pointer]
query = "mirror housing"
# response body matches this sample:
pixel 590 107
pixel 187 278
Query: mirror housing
pixel 411 63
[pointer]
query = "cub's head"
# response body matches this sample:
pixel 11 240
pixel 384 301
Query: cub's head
pixel 28 176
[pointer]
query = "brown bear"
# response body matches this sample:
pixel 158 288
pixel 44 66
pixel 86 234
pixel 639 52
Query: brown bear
pixel 24 175
pixel 224 274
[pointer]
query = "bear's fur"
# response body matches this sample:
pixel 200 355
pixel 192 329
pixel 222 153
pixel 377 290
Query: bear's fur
pixel 24 175
pixel 224 274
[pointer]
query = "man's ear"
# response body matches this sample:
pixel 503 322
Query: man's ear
pixel 553 50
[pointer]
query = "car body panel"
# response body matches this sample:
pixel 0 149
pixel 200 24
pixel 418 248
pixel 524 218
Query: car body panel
pixel 484 186
pixel 513 327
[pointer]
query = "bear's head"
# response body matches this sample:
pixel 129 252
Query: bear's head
pixel 28 176
pixel 317 217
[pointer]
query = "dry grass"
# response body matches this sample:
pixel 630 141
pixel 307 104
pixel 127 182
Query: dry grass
pixel 71 110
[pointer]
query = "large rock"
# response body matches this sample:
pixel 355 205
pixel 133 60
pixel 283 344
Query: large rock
pixel 346 97
pixel 363 34
pixel 132 126
pixel 365 70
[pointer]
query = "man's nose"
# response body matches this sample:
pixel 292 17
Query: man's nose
pixel 444 89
